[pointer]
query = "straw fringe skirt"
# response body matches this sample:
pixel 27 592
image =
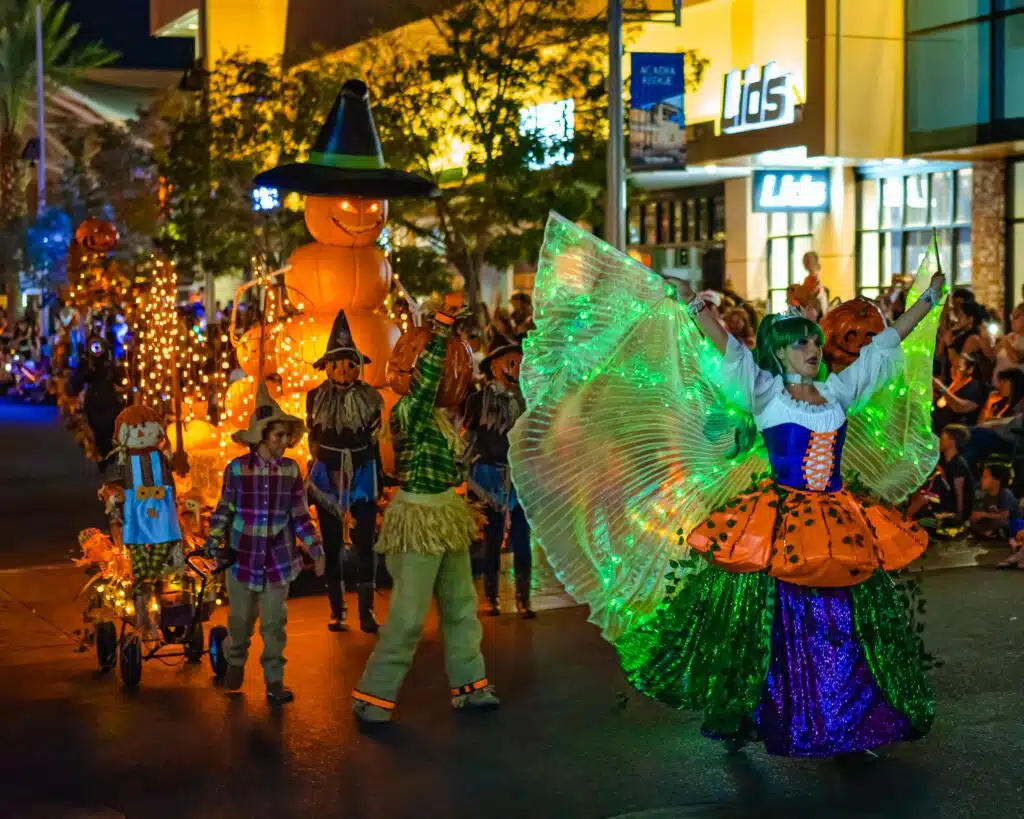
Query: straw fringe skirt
pixel 427 524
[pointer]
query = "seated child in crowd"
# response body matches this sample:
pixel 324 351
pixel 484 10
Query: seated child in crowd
pixel 953 485
pixel 997 510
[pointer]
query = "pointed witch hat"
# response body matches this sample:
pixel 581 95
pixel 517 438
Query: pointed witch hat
pixel 499 346
pixel 267 412
pixel 346 159
pixel 340 344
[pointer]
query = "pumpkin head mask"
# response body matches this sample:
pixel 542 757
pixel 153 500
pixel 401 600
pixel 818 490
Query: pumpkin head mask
pixel 458 367
pixel 97 235
pixel 503 360
pixel 848 328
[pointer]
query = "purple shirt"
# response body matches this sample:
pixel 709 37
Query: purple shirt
pixel 262 513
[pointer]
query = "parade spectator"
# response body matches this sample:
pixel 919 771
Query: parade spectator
pixel 521 316
pixel 952 487
pixel 996 507
pixel 1009 350
pixel 960 402
pixel 1001 421
pixel 737 322
pixel 264 520
pixel 963 334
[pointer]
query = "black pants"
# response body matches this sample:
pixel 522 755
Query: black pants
pixel 364 530
pixel 518 539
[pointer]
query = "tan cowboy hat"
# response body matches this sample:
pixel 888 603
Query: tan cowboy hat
pixel 267 412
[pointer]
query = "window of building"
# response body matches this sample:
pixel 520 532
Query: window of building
pixel 790 236
pixel 689 217
pixel 896 216
pixel 963 62
pixel 1015 232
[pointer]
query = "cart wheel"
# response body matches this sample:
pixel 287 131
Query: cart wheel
pixel 218 660
pixel 106 644
pixel 194 644
pixel 131 661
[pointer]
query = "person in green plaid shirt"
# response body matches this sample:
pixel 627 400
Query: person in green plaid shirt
pixel 425 538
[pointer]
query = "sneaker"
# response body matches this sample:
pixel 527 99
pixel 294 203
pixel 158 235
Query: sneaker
pixel 278 694
pixel 234 677
pixel 483 699
pixel 370 714
pixel 337 625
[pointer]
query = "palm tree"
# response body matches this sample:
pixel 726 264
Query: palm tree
pixel 62 63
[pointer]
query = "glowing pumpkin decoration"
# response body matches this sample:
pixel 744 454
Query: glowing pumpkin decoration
pixel 346 221
pixel 458 366
pixel 250 355
pixel 97 235
pixel 848 328
pixel 339 278
pixel 196 435
pixel 240 400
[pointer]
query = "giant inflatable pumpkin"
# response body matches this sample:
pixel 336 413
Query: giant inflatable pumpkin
pixel 848 328
pixel 458 366
pixel 346 221
pixel 331 278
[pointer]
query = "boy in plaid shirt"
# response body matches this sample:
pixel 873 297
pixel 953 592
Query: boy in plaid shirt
pixel 425 538
pixel 264 518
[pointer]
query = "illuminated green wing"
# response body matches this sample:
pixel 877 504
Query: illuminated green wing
pixel 627 442
pixel 890 447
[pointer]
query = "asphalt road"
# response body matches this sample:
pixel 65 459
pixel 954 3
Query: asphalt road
pixel 74 743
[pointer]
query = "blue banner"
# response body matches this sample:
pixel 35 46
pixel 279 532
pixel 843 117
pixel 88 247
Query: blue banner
pixel 657 120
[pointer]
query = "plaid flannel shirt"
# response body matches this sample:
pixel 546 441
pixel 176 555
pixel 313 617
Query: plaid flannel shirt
pixel 425 462
pixel 262 511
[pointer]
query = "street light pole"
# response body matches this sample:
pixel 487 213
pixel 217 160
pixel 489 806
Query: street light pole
pixel 615 205
pixel 203 58
pixel 41 110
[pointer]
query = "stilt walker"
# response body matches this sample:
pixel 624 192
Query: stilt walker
pixel 490 415
pixel 343 415
pixel 428 527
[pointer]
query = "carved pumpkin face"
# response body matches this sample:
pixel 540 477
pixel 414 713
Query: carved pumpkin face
pixel 848 328
pixel 97 235
pixel 346 221
pixel 458 367
pixel 342 371
pixel 505 367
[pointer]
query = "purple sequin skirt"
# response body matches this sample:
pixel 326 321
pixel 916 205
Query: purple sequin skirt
pixel 820 698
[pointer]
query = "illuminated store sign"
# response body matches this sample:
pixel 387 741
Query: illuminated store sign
pixel 757 98
pixel 792 191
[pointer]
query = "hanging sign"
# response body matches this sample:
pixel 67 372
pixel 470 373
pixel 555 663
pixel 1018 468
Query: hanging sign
pixel 657 122
pixel 760 97
pixel 792 191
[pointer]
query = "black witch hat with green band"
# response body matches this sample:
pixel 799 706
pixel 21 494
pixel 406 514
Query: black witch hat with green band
pixel 346 159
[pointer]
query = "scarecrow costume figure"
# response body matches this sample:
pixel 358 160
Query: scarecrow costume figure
pixel 343 415
pixel 148 510
pixel 745 577
pixel 427 532
pixel 263 520
pixel 490 415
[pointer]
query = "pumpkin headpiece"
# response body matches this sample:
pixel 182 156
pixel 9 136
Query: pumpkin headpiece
pixel 848 328
pixel 346 159
pixel 458 366
pixel 499 346
pixel 340 344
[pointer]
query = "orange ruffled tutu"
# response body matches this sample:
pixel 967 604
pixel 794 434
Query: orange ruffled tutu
pixel 808 538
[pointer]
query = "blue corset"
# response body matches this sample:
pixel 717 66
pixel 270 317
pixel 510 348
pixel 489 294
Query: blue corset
pixel 805 460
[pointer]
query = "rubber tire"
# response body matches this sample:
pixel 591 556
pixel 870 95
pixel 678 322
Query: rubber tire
pixel 194 644
pixel 131 661
pixel 106 645
pixel 218 660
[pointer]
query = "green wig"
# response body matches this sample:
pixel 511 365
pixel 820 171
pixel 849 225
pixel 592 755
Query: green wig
pixel 776 332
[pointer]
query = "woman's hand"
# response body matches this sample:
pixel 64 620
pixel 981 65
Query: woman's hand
pixel 938 283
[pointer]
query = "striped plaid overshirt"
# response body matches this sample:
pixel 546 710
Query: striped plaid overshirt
pixel 262 511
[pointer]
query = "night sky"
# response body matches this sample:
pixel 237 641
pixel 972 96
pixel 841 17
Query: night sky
pixel 123 26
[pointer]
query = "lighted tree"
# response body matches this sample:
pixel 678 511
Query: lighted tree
pixel 62 63
pixel 462 108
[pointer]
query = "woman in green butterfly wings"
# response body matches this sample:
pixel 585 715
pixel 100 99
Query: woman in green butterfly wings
pixel 642 442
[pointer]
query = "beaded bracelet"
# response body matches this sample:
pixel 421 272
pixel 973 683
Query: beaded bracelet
pixel 696 306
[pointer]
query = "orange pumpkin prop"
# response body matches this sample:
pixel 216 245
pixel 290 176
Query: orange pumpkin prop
pixel 249 353
pixel 458 366
pixel 848 328
pixel 346 221
pixel 97 235
pixel 339 278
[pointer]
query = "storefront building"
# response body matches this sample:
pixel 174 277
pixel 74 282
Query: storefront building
pixel 909 112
